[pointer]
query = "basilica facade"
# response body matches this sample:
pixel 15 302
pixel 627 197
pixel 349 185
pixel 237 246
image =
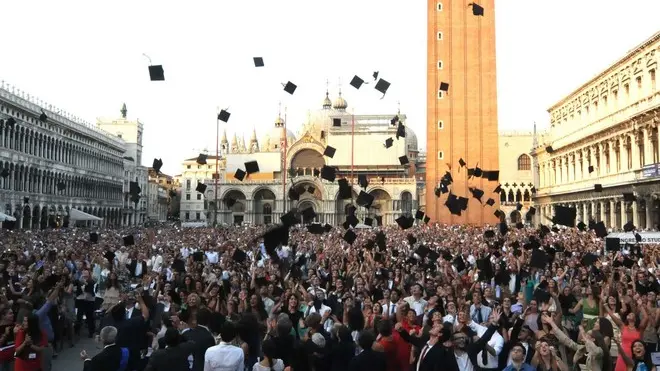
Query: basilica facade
pixel 293 161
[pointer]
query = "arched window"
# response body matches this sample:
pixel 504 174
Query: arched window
pixel 406 203
pixel 526 195
pixel 524 162
pixel 502 197
pixel 518 196
pixel 510 196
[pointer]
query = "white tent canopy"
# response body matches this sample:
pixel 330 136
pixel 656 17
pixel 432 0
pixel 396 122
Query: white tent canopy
pixel 5 217
pixel 76 214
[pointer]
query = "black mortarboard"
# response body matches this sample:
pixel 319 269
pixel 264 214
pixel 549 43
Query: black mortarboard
pixel 308 214
pixel 477 172
pixel 345 190
pixel 459 264
pixel 600 230
pixel 26 200
pixel 229 201
pixel 293 194
pixel 61 186
pixel 628 263
pixel 463 203
pixel 489 234
pixel 629 197
pixel 581 226
pixel 532 210
pixel 258 61
pixel 329 151
pixel 477 193
pixel 492 175
pixel 357 82
pixel 350 236
pixel 156 73
pixel 43 117
pixel 363 181
pixel 590 168
pixel 290 87
pixel 290 218
pixel 638 237
pixel 539 259
pixel 4 173
pixel 403 160
pixel 365 199
pixel 315 228
pixel 336 122
pixel 400 131
pixel 110 256
pixel 477 9
pixel 498 213
pixel 388 142
pixel 239 256
pixel 327 227
pixel 201 159
pixel 375 75
pixel 394 120
pixel 453 205
pixel 598 187
pixel 311 189
pixel 419 215
pixel 564 216
pixel 251 167
pixel 520 225
pixel 224 115
pixel 352 220
pixel 589 259
pixel 379 220
pixel 485 269
pixel 498 189
pixel 461 162
pixel 629 227
pixel 549 149
pixel 405 222
pixel 504 228
pixel 519 206
pixel 382 86
pixel 201 187
pixel 328 173
pixel 369 221
pixel 444 86
pixel 93 237
pixel 129 240
pixel 157 164
pixel 134 188
pixel 239 174
pixel 490 202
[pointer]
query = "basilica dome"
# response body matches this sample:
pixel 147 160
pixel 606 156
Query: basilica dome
pixel 271 140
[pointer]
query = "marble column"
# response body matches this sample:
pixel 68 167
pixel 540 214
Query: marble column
pixel 603 214
pixel 623 152
pixel 634 145
pixel 648 146
pixel 624 214
pixel 612 154
pixel 648 211
pixel 635 212
pixel 585 212
pixel 612 223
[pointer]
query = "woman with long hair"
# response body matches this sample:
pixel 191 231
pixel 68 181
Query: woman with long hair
pixel 269 363
pixel 590 306
pixel 250 335
pixel 30 342
pixel 631 331
pixel 639 360
pixel 594 348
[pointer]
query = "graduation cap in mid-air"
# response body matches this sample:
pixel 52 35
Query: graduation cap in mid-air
pixel 258 61
pixel 157 164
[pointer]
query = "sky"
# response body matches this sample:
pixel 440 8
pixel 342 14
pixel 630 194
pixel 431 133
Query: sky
pixel 86 57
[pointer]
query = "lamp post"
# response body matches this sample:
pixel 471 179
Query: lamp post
pixel 217 159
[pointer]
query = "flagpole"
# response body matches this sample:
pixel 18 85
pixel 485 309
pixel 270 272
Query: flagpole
pixel 217 160
pixel 352 144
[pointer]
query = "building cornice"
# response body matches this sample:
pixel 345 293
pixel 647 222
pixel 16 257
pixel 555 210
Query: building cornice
pixel 612 68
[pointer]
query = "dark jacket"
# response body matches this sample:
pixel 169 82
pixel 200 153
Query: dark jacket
pixel 368 360
pixel 172 358
pixel 109 360
pixel 203 340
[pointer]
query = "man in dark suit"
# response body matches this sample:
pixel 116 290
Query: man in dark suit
pixel 200 334
pixel 368 359
pixel 112 357
pixel 174 356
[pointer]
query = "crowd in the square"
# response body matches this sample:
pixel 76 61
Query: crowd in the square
pixel 429 297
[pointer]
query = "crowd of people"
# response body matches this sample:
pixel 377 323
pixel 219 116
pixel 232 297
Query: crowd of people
pixel 429 297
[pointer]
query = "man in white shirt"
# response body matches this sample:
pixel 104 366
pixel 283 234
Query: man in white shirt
pixel 415 301
pixel 485 358
pixel 224 356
